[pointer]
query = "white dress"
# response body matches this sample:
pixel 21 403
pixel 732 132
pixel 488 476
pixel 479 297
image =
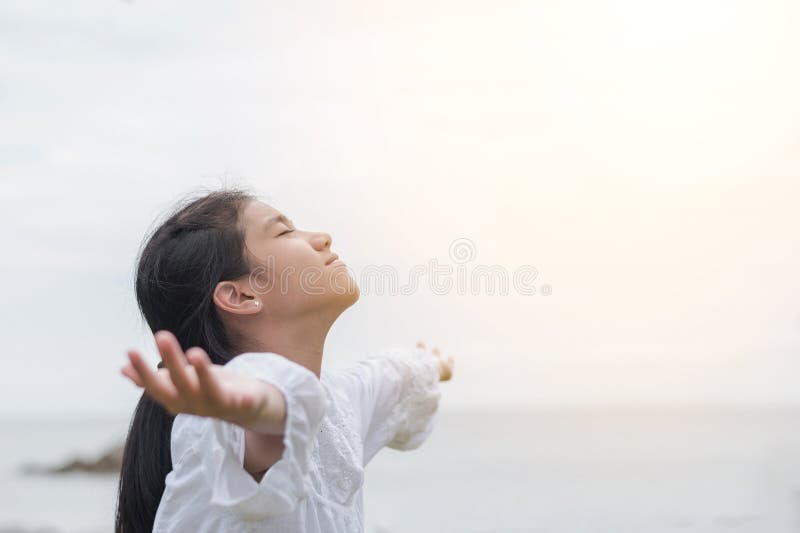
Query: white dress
pixel 334 426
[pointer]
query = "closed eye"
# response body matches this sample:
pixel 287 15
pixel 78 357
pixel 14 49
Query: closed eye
pixel 285 232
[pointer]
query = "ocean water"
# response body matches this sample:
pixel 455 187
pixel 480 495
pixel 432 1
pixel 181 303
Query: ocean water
pixel 568 470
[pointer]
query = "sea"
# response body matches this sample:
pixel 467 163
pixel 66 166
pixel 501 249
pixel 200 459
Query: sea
pixel 568 470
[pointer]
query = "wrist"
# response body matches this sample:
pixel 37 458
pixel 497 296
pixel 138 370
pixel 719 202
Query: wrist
pixel 269 412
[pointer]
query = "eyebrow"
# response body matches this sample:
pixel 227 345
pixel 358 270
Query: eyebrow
pixel 275 219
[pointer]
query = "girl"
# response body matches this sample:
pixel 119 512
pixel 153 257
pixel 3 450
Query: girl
pixel 243 431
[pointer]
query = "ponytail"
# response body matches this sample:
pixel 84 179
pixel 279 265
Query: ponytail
pixel 179 266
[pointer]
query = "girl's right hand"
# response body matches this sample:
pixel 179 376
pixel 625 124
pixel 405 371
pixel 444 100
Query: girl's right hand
pixel 445 365
pixel 192 384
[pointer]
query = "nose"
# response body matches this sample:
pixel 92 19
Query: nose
pixel 321 240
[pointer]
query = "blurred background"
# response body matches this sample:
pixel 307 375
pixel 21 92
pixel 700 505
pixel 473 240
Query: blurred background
pixel 641 156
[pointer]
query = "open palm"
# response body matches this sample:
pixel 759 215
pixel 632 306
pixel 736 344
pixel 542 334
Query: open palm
pixel 192 384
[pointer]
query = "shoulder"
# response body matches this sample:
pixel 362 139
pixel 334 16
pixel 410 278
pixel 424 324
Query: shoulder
pixel 350 383
pixel 271 365
pixel 300 386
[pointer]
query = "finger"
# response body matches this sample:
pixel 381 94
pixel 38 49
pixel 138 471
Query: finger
pixel 157 389
pixel 129 372
pixel 420 344
pixel 176 362
pixel 450 363
pixel 209 386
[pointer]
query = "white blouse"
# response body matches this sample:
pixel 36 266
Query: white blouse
pixel 334 426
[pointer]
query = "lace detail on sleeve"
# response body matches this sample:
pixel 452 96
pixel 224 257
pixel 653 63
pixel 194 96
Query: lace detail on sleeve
pixel 403 388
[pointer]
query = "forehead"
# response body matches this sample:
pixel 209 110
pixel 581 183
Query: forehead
pixel 257 214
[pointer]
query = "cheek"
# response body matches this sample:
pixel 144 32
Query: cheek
pixel 285 254
pixel 298 255
pixel 295 272
pixel 293 262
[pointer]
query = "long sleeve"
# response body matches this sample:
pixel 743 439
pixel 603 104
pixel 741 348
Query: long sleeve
pixel 214 449
pixel 397 391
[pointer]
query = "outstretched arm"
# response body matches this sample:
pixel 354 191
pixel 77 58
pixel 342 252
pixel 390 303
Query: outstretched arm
pixel 191 384
pixel 396 393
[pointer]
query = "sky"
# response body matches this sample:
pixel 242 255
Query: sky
pixel 642 157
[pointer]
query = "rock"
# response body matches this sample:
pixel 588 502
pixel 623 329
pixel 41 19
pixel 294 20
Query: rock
pixel 13 529
pixel 108 463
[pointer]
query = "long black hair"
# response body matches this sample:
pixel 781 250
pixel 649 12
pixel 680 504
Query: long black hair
pixel 200 244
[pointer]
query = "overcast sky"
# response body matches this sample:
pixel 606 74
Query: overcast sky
pixel 642 156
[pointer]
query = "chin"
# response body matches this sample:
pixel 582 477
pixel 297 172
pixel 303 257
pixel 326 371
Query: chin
pixel 356 293
pixel 349 293
pixel 352 295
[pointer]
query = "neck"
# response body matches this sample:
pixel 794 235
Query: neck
pixel 300 339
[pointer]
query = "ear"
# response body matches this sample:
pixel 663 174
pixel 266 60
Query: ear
pixel 228 296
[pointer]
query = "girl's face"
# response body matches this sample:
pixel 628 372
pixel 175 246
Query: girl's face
pixel 295 270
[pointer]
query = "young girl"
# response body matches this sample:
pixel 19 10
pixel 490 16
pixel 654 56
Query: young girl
pixel 243 431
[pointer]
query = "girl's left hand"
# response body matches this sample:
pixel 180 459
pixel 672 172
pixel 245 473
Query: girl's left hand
pixel 445 364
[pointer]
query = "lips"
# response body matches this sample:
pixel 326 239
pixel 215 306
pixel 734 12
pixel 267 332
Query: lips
pixel 331 259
